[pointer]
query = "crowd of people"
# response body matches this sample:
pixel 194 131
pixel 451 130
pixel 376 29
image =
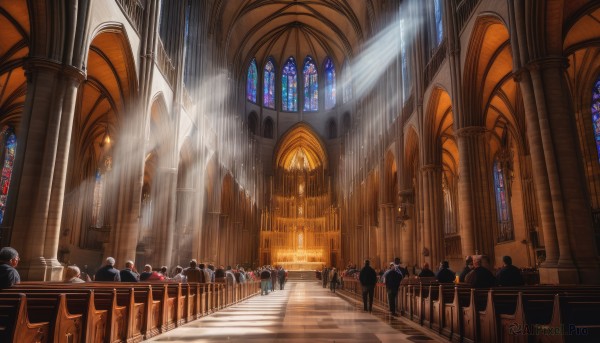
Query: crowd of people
pixel 195 272
pixel 477 273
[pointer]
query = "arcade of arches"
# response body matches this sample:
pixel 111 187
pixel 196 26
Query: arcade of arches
pixel 301 133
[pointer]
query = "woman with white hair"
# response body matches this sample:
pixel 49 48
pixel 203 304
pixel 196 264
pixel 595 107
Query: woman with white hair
pixel 72 275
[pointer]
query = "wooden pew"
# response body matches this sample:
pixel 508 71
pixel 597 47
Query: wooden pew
pixel 14 321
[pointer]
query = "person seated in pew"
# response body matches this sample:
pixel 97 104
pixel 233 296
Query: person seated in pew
pixel 72 275
pixel 468 268
pixel 445 275
pixel 108 272
pixel 150 275
pixel 481 276
pixel 426 272
pixel 509 275
pixel 164 273
pixel 9 276
pixel 193 273
pixel 179 277
pixel 129 274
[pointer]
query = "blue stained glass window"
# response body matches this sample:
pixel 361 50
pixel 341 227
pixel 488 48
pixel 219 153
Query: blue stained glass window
pixel 251 82
pixel 289 91
pixel 9 145
pixel 439 29
pixel 505 231
pixel 311 85
pixel 269 85
pixel 330 93
pixel 596 114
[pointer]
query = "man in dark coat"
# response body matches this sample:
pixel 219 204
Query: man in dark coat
pixel 392 278
pixel 9 276
pixel 468 268
pixel 426 272
pixel 108 272
pixel 128 274
pixel 368 279
pixel 445 274
pixel 281 277
pixel 481 276
pixel 509 275
pixel 265 277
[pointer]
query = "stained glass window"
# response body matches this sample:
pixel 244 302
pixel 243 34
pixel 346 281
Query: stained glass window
pixel 596 114
pixel 505 231
pixel 449 213
pixel 311 85
pixel 330 93
pixel 439 29
pixel 289 83
pixel 404 63
pixel 8 141
pixel 269 85
pixel 97 202
pixel 252 81
pixel 346 83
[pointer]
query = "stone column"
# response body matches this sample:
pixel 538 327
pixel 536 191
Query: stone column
pixel 382 237
pixel 565 172
pixel 474 192
pixel 433 207
pixel 390 230
pixel 164 216
pixel 42 158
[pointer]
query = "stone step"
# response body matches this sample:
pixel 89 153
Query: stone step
pixel 302 275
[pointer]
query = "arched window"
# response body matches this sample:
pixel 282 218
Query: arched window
pixel 330 93
pixel 252 81
pixel 268 130
pixel 289 82
pixel 252 121
pixel 8 146
pixel 404 62
pixel 97 218
pixel 332 129
pixel 346 83
pixel 449 211
pixel 311 85
pixel 439 29
pixel 596 114
pixel 269 85
pixel 505 229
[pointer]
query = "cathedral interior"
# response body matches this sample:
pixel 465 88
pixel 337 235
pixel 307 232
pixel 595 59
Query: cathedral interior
pixel 301 133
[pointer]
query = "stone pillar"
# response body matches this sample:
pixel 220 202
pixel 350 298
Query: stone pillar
pixel 474 192
pixel 565 173
pixel 382 238
pixel 390 230
pixel 42 158
pixel 164 216
pixel 433 207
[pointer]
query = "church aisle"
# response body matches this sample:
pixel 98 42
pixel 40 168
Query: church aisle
pixel 303 312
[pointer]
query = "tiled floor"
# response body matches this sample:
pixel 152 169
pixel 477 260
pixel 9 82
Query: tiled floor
pixel 303 312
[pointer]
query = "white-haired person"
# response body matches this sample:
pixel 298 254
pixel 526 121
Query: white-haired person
pixel 108 272
pixel 9 276
pixel 72 274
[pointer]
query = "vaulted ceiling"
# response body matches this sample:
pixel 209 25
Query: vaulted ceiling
pixel 284 28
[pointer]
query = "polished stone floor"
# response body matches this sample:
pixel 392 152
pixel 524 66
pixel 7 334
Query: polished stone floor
pixel 303 312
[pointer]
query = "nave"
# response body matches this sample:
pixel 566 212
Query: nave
pixel 302 312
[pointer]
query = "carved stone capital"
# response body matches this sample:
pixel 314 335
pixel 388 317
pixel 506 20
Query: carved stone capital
pixel 39 63
pixel 470 131
pixel 548 63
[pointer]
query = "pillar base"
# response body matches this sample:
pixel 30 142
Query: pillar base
pixel 558 275
pixel 41 269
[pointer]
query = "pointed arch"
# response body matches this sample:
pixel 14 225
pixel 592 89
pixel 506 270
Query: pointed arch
pixel 252 81
pixel 330 84
pixel 289 86
pixel 269 84
pixel 311 85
